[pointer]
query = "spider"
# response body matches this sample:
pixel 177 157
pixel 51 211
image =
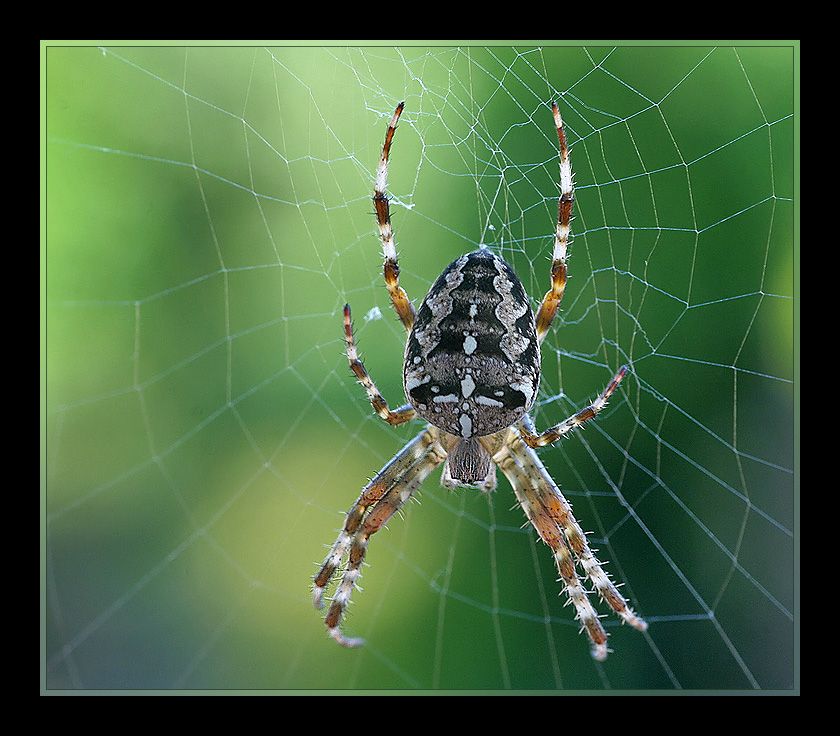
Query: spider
pixel 471 371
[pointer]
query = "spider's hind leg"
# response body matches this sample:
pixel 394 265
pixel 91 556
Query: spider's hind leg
pixel 551 515
pixel 386 494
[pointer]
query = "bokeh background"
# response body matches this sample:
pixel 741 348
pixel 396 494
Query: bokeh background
pixel 207 216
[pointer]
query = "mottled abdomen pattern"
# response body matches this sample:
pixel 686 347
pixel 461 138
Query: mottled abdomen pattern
pixel 472 361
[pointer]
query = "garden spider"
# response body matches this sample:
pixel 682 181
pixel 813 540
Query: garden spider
pixel 472 370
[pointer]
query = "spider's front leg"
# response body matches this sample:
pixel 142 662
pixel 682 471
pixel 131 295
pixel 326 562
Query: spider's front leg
pixel 550 304
pixel 402 304
pixel 386 494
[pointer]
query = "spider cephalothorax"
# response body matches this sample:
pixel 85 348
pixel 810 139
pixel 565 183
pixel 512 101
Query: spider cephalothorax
pixel 472 371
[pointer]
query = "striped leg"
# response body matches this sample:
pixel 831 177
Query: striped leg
pixel 552 517
pixel 386 494
pixel 567 425
pixel 403 306
pixel 380 406
pixel 551 301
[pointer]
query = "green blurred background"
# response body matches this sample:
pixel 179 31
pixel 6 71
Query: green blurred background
pixel 207 216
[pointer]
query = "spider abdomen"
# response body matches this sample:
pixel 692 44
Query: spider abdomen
pixel 472 361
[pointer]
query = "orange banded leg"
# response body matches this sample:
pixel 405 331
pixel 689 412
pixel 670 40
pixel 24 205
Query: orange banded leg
pixel 384 496
pixel 554 503
pixel 551 301
pixel 380 406
pixel 403 306
pixel 552 534
pixel 551 515
pixel 567 425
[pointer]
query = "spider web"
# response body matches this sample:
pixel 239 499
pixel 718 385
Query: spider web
pixel 208 215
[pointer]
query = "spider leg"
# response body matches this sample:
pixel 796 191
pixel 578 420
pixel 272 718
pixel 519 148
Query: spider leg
pixel 551 301
pixel 567 425
pixel 551 515
pixel 402 304
pixel 380 406
pixel 386 494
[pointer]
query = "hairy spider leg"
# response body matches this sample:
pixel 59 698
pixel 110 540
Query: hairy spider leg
pixel 551 301
pixel 402 304
pixel 386 494
pixel 554 433
pixel 551 515
pixel 380 406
